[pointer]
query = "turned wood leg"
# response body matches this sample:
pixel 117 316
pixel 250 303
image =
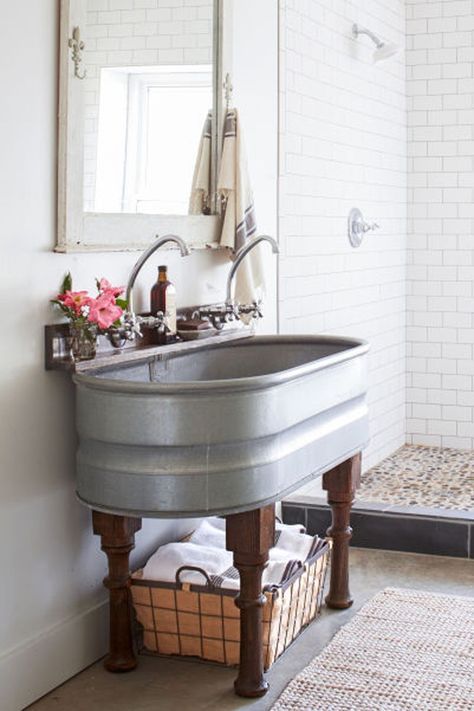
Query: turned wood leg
pixel 250 535
pixel 117 540
pixel 341 484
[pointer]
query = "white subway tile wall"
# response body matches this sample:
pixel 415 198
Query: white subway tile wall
pixel 344 144
pixel 440 302
pixel 138 33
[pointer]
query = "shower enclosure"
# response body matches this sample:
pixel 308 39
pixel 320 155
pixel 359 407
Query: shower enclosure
pixel 395 139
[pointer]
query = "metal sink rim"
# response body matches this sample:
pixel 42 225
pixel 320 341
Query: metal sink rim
pixel 355 347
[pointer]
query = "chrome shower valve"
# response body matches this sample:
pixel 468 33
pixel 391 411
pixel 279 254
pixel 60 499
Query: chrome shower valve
pixel 357 227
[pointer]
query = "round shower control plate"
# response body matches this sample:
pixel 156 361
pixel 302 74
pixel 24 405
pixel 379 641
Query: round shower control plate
pixel 355 226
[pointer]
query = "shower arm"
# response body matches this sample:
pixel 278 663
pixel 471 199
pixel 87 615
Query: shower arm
pixel 357 30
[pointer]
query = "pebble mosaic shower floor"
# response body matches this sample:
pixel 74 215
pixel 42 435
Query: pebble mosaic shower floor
pixel 434 477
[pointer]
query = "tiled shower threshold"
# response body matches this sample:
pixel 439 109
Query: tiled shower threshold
pixel 426 504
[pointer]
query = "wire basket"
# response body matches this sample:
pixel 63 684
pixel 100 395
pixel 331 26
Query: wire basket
pixel 203 621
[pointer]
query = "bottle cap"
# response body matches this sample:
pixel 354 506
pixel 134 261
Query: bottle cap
pixel 163 268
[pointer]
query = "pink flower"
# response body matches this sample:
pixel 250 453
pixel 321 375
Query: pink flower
pixel 104 311
pixel 75 300
pixel 105 287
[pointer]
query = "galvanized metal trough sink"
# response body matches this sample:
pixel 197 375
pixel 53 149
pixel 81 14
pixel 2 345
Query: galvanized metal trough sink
pixel 219 429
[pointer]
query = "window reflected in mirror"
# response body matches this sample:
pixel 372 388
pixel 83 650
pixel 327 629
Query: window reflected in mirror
pixel 148 90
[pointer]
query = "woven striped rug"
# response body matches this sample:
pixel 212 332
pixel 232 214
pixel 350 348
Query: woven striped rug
pixel 404 651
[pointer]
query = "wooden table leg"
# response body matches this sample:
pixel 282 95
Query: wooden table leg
pixel 117 541
pixel 341 484
pixel 250 535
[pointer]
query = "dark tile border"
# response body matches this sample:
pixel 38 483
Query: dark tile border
pixel 295 514
pixel 412 530
pixel 360 505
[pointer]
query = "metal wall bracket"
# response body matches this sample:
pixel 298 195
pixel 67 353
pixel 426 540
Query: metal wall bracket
pixel 57 349
pixel 77 46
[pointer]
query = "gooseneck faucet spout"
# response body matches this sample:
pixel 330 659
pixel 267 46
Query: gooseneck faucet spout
pixel 145 257
pixel 240 255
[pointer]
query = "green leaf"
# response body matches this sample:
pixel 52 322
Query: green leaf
pixel 67 283
pixel 123 303
pixel 97 283
pixel 66 311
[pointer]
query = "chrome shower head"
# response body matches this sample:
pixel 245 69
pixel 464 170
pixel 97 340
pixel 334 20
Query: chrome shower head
pixel 383 50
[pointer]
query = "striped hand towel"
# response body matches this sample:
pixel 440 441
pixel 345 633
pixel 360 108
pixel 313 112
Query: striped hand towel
pixel 200 200
pixel 239 223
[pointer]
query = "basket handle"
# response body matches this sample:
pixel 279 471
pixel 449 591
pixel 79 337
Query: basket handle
pixel 194 569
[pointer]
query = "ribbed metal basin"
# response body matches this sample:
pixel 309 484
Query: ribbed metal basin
pixel 219 429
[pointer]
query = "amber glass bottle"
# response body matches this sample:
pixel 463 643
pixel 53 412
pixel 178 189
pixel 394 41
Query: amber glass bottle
pixel 163 298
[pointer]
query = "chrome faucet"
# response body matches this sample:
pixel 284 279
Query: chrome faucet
pixel 145 257
pixel 240 255
pixel 131 324
pixel 221 314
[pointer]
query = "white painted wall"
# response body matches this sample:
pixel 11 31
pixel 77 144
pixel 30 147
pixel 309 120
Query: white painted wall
pixel 343 144
pixel 440 60
pixel 53 617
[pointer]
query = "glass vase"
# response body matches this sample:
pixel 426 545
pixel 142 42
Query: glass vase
pixel 83 340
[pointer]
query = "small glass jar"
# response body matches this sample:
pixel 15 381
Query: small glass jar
pixel 83 340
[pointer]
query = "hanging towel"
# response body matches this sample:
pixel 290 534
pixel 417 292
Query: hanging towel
pixel 200 200
pixel 239 223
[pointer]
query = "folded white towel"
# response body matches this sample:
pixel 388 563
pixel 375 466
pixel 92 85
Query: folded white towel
pixel 220 524
pixel 277 571
pixel 291 541
pixel 169 558
pixel 206 549
pixel 291 545
pixel 296 527
pixel 209 534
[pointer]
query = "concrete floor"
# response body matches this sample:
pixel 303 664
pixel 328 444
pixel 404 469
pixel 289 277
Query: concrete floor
pixel 171 685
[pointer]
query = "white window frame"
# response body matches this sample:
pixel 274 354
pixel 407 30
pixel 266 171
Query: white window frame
pixel 139 85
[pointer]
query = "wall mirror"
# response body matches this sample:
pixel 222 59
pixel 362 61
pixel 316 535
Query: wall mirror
pixel 139 79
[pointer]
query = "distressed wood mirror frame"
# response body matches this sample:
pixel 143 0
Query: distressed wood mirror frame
pixel 80 231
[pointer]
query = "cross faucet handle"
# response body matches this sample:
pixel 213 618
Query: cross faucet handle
pixel 370 226
pixel 254 309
